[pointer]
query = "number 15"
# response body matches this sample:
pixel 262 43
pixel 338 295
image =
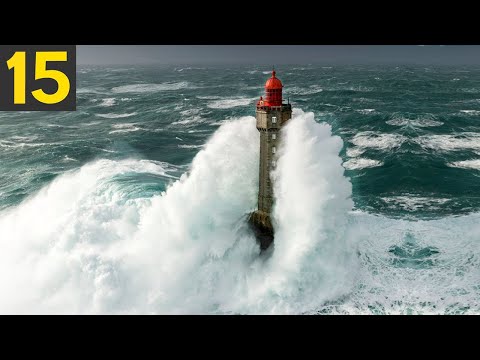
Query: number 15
pixel 18 63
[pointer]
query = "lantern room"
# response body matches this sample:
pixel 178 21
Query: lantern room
pixel 273 92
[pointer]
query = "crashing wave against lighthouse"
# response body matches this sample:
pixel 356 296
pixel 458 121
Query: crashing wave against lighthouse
pixel 97 250
pixel 271 115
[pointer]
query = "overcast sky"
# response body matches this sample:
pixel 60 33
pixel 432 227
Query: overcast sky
pixel 277 54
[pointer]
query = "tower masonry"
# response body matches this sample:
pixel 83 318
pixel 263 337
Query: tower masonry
pixel 272 114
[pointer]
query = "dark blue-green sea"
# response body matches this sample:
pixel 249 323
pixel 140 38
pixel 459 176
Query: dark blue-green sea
pixel 137 201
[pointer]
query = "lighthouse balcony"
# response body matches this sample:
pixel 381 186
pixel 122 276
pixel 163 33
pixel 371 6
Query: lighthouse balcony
pixel 283 107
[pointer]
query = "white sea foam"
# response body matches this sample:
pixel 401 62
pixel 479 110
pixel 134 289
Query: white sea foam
pixel 108 102
pixel 355 88
pixel 466 164
pixel 116 116
pixel 193 120
pixel 375 140
pixel 420 122
pixel 365 111
pixel 470 90
pixel 361 163
pixel 212 97
pixel 190 112
pixel 124 128
pixel 18 142
pixel 189 68
pixel 87 244
pixel 190 117
pixel 230 103
pixel 460 141
pixel 121 70
pixel 415 267
pixel 355 151
pixel 414 202
pixel 469 101
pixel 313 89
pixel 91 123
pixel 182 146
pixel 18 138
pixel 67 158
pixel 198 131
pixel 150 88
pixel 63 126
pixel 471 112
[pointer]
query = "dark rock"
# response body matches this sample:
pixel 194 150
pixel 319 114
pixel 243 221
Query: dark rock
pixel 261 225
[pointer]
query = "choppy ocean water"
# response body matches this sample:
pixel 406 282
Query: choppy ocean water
pixel 135 203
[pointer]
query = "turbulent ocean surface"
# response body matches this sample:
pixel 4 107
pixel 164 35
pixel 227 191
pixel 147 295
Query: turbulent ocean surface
pixel 136 202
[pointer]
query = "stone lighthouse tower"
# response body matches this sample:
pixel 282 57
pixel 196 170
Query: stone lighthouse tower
pixel 271 115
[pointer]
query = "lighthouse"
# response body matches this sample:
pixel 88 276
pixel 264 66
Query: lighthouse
pixel 271 114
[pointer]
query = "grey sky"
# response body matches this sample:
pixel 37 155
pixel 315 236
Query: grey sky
pixel 277 54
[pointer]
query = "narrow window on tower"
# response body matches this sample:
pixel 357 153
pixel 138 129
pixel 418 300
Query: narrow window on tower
pixel 274 136
pixel 274 163
pixel 274 119
pixel 274 149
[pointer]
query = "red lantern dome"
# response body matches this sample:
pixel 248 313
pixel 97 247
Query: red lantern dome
pixel 273 83
pixel 273 92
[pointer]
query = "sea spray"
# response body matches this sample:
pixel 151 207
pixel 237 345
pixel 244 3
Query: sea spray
pixel 88 244
pixel 84 245
pixel 61 249
pixel 190 236
pixel 312 261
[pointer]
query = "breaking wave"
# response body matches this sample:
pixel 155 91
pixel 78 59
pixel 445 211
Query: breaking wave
pixel 466 164
pixel 93 241
pixel 97 240
pixel 361 163
pixel 418 122
pixel 230 103
pixel 381 141
pixel 460 141
pixel 108 102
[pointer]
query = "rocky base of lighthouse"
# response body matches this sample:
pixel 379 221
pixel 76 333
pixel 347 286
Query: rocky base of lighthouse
pixel 261 225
